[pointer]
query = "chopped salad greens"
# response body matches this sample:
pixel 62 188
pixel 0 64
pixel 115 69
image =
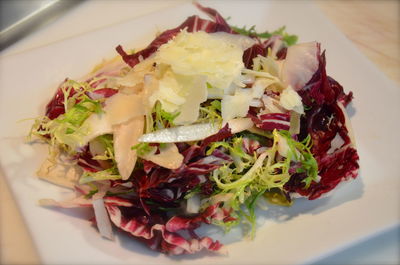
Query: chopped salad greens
pixel 196 128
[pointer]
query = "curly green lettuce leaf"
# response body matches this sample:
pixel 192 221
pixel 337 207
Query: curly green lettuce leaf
pixel 107 143
pixel 241 159
pixel 107 174
pixel 66 131
pixel 160 119
pixel 248 177
pixel 301 151
pixel 142 148
pixel 210 112
pixel 287 38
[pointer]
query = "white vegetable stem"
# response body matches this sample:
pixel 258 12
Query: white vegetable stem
pixel 193 132
pixel 193 204
pixel 102 219
pixel 186 133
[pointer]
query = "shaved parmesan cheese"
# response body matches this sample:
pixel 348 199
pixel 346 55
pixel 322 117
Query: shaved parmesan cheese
pixel 59 173
pixel 239 40
pixel 214 93
pixel 230 90
pixel 126 135
pixel 136 75
pixel 170 93
pixel 178 134
pixel 240 124
pixel 169 157
pixel 259 87
pixel 237 105
pixel 95 125
pixel 290 100
pixel 196 93
pixel 300 64
pixel 256 103
pixel 270 65
pixel 247 79
pixel 150 86
pixel 121 107
pixel 260 74
pixel 181 93
pixel 200 53
pixel 271 105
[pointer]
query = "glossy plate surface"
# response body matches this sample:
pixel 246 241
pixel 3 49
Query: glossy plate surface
pixel 303 233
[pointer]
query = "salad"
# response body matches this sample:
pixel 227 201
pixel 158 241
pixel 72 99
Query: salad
pixel 197 128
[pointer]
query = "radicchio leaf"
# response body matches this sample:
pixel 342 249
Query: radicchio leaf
pixel 166 186
pixel 225 132
pixel 322 88
pixel 56 105
pixel 250 146
pixel 324 121
pixel 211 213
pixel 253 52
pixel 218 19
pixel 271 121
pixel 274 43
pixel 86 161
pixel 191 24
pixel 153 231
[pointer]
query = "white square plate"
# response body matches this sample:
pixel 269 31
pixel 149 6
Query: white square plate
pixel 302 233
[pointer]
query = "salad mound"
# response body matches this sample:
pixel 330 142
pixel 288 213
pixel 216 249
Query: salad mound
pixel 195 129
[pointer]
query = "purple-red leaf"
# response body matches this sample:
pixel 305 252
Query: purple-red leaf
pixel 153 231
pixel 271 121
pixel 325 121
pixel 222 134
pixel 191 24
